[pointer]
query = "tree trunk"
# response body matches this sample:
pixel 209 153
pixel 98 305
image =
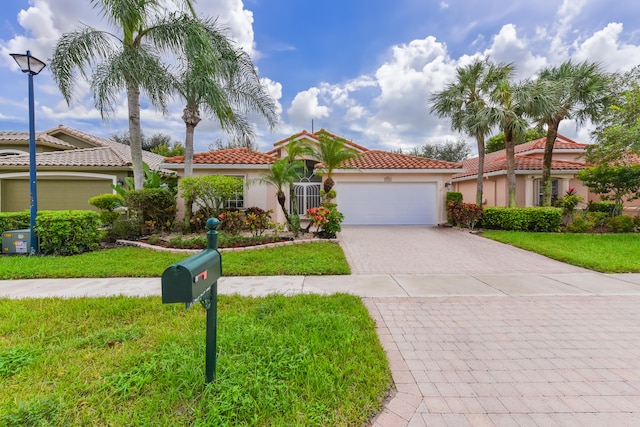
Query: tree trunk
pixel 135 134
pixel 552 133
pixel 191 118
pixel 511 168
pixel 479 181
pixel 328 184
pixel 282 202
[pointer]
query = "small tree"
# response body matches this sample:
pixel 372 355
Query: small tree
pixel 211 192
pixel 613 182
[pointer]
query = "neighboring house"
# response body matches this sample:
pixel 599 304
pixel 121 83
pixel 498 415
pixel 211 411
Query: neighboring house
pixel 379 187
pixel 567 162
pixel 72 166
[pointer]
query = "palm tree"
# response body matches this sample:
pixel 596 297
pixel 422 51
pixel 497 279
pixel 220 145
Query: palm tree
pixel 465 101
pixel 130 61
pixel 512 106
pixel 225 84
pixel 579 93
pixel 281 173
pixel 332 152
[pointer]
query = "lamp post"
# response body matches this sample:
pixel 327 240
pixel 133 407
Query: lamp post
pixel 32 66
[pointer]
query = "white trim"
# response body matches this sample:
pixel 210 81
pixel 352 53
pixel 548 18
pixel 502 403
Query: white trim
pixel 421 171
pixel 518 172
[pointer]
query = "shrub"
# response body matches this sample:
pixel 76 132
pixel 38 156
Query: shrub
pixel 14 220
pixel 452 196
pixel 257 220
pixel 123 229
pixel 107 203
pixel 541 219
pixel 579 225
pixel 153 204
pixel 326 220
pixel 465 214
pixel 68 232
pixel 598 221
pixel 621 224
pixel 606 207
pixel 231 221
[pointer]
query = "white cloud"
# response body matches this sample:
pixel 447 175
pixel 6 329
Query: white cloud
pixel 605 46
pixel 306 107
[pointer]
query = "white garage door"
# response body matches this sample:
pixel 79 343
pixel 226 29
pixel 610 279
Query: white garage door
pixel 387 203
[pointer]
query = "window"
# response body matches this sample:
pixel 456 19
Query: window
pixel 237 201
pixel 539 190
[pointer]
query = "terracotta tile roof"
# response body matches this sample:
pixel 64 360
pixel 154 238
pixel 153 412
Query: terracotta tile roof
pixel 41 137
pixel 231 156
pixel 378 159
pixel 315 136
pixel 496 161
pixel 85 157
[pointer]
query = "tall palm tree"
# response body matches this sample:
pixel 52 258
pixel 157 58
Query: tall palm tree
pixel 130 60
pixel 224 82
pixel 513 105
pixel 332 152
pixel 465 101
pixel 282 173
pixel 579 94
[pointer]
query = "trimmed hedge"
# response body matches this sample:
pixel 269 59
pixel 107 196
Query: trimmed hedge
pixel 542 219
pixel 14 220
pixel 68 232
pixel 156 205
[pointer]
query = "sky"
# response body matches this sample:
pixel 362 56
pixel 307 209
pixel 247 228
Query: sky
pixel 363 70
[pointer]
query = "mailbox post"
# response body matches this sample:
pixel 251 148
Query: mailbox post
pixel 196 279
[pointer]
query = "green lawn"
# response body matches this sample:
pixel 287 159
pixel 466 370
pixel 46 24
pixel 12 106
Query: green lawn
pixel 606 253
pixel 306 360
pixel 315 258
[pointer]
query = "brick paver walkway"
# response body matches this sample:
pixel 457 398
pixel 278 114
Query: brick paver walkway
pixel 513 361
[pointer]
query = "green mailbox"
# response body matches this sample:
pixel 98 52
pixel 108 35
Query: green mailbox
pixel 196 279
pixel 188 280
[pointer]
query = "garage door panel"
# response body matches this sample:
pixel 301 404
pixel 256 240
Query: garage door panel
pixel 387 203
pixel 53 194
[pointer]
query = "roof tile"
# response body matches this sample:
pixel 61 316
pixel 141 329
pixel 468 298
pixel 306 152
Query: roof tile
pixel 378 159
pixel 230 156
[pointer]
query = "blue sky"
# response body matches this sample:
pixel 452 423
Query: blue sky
pixel 360 69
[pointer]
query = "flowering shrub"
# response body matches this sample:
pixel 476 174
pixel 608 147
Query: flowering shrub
pixel 464 214
pixel 257 220
pixel 230 221
pixel 326 220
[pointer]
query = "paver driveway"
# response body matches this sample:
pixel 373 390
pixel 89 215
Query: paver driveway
pixel 437 250
pixel 569 360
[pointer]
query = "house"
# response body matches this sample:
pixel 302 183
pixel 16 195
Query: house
pixel 72 166
pixel 567 162
pixel 378 187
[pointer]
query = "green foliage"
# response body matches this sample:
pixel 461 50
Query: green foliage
pixel 314 258
pixel 68 232
pixel 449 151
pixel 107 202
pixel 230 221
pixel 465 214
pixel 606 207
pixel 522 219
pixel 257 220
pixel 579 225
pixel 622 224
pixel 613 182
pixel 38 412
pixel 596 222
pixel 326 219
pixel 606 253
pixel 153 204
pixel 452 196
pixel 211 192
pixel 305 360
pixel 152 179
pixel 123 229
pixel 14 220
pixel 496 143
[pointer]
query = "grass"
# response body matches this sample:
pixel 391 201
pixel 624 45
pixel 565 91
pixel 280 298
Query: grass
pixel 606 253
pixel 306 360
pixel 315 258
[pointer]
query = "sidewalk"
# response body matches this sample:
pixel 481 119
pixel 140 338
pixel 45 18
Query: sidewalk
pixel 363 285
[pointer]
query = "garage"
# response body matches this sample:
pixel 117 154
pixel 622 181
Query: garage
pixel 52 194
pixel 388 203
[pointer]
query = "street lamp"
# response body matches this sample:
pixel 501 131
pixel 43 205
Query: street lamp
pixel 32 66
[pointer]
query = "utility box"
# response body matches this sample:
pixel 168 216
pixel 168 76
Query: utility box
pixel 16 241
